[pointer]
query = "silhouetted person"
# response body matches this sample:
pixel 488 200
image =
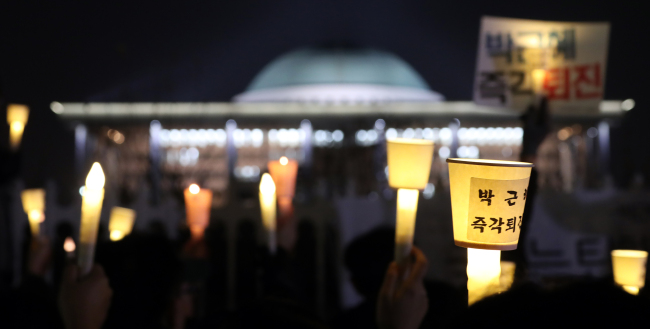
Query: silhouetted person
pixel 367 258
pixel 145 275
pixel 596 304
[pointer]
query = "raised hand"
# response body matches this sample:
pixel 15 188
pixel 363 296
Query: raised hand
pixel 402 302
pixel 40 256
pixel 84 301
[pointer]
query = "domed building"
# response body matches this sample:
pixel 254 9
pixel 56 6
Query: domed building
pixel 338 76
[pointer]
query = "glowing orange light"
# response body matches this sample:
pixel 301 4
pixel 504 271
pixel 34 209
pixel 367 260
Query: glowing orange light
pixel 284 161
pixel 194 189
pixel 69 245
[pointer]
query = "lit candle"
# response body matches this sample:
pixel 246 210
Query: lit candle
pixel 539 75
pixel 409 166
pixel 267 205
pixel 284 172
pixel 483 273
pixel 198 202
pixel 407 205
pixel 17 116
pixel 488 198
pixel 91 208
pixel 69 247
pixel 629 269
pixel 120 223
pixel 34 206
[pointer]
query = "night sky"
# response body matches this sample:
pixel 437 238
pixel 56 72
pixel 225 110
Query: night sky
pixel 176 51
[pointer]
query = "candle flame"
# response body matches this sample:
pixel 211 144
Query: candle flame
pixel 17 127
pixel 95 179
pixel 267 186
pixel 36 215
pixel 284 161
pixel 194 189
pixel 631 290
pixel 69 245
pixel 116 235
pixel 538 76
pixel 17 113
pixel 407 199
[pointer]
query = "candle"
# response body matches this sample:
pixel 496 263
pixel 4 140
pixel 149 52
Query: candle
pixel 284 172
pixel 538 75
pixel 487 202
pixel 34 206
pixel 629 269
pixel 17 116
pixel 407 205
pixel 69 247
pixel 198 202
pixel 409 165
pixel 91 208
pixel 267 205
pixel 483 273
pixel 120 223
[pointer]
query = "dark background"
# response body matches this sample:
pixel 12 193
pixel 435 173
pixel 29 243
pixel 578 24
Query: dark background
pixel 153 51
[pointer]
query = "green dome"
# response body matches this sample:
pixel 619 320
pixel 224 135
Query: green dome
pixel 338 76
pixel 315 66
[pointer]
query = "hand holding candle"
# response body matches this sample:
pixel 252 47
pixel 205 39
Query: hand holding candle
pixel 409 165
pixel 91 208
pixel 268 207
pixel 34 206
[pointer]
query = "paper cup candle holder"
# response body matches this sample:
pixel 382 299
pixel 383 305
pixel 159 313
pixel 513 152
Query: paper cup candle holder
pixel 198 202
pixel 629 269
pixel 284 172
pixel 34 206
pixel 17 116
pixel 487 199
pixel 121 223
pixel 409 165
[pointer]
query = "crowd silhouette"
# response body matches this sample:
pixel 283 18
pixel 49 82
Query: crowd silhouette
pixel 147 280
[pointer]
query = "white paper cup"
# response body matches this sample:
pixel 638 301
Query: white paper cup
pixel 409 163
pixel 629 267
pixel 487 200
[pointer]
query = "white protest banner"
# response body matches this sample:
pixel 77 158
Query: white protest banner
pixel 518 58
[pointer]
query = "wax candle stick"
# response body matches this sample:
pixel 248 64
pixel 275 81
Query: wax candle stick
pixel 268 207
pixel 407 205
pixel 483 273
pixel 34 206
pixel 198 202
pixel 409 165
pixel 284 173
pixel 91 208
pixel 120 223
pixel 17 116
